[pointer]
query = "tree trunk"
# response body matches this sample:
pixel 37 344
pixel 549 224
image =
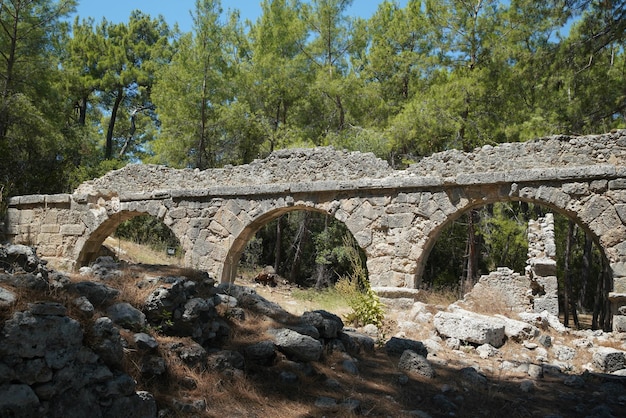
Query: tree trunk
pixel 108 154
pixel 301 236
pixel 597 299
pixel 567 277
pixel 471 252
pixel 607 318
pixel 277 247
pixel 82 111
pixel 586 271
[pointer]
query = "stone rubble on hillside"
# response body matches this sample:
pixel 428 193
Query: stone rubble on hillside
pixel 49 368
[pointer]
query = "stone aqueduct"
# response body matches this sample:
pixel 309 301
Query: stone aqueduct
pixel 395 215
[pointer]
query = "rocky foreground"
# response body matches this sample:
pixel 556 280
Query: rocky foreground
pixel 123 341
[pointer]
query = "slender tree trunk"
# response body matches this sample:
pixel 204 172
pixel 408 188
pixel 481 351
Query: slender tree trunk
pixel 607 317
pixel 586 271
pixel 567 277
pixel 10 60
pixel 471 253
pixel 109 139
pixel 301 236
pixel 82 111
pixel 597 299
pixel 277 247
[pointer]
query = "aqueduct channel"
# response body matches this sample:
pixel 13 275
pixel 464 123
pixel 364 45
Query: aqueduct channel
pixel 395 215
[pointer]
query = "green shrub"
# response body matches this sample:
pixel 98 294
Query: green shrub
pixel 356 290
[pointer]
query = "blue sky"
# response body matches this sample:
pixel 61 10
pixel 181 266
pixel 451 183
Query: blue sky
pixel 177 11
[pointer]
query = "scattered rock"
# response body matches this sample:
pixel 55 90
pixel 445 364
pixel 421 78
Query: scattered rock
pixel 609 359
pixel 470 327
pixel 127 316
pixel 414 363
pixel 395 347
pixel 298 346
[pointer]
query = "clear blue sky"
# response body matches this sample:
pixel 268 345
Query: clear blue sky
pixel 177 11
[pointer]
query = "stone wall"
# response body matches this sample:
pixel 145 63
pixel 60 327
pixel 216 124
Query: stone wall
pixel 541 265
pixel 395 215
pixel 534 291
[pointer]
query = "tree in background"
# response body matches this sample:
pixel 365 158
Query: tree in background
pixel 194 92
pixel 36 147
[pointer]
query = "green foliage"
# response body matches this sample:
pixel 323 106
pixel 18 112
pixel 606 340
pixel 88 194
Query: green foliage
pixel 501 237
pixel 503 230
pixel 356 290
pixel 147 230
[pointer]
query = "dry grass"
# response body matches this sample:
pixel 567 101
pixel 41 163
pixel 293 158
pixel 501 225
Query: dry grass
pixel 259 391
pixel 137 253
pixel 490 302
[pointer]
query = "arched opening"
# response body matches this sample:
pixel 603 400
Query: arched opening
pixel 303 245
pixel 500 235
pixel 310 260
pixel 135 237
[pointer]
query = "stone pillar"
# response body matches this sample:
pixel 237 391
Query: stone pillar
pixel 618 300
pixel 541 265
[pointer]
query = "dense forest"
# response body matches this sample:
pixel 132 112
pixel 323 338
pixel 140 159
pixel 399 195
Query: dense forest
pixel 79 97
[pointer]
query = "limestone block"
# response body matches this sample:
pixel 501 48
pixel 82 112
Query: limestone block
pixel 619 283
pixel 576 188
pixel 473 328
pixel 50 229
pixel 546 303
pixel 598 186
pixel 543 266
pixel 553 195
pixel 530 174
pixel 609 359
pixel 396 292
pixel 177 213
pixel 549 284
pixel 58 199
pixel 72 229
pixel 617 184
pixel 35 199
pixel 401 220
pixel 619 323
pixel 518 330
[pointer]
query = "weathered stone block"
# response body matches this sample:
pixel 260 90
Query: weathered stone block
pixel 546 303
pixel 609 359
pixel 619 283
pixel 72 229
pixel 543 266
pixel 473 328
pixel 617 184
pixel 619 323
pixel 50 229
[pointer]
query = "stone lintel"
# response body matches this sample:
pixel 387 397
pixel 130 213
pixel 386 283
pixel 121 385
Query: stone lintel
pixel 616 297
pixel 617 184
pixel 58 199
pixel 464 179
pixel 33 199
pixel 586 172
pixel 619 285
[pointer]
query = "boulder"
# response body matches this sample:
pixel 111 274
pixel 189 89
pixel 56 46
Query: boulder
pixel 262 353
pixel 470 327
pixel 297 346
pixel 96 293
pixel 609 359
pixel 329 325
pixel 127 316
pixel 414 363
pixel 395 347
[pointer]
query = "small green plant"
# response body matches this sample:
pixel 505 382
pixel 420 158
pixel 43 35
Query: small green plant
pixel 356 290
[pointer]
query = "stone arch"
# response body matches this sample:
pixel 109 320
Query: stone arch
pixel 88 249
pixel 239 243
pixel 540 195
